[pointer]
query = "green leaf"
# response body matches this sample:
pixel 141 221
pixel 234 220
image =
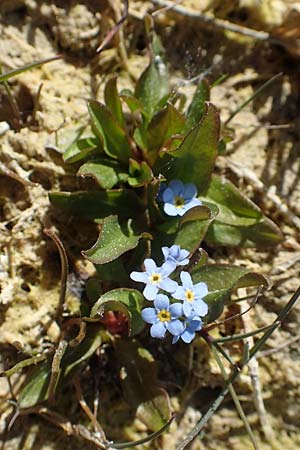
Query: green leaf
pixel 150 402
pixel 227 235
pixel 97 205
pixel 164 124
pixel 112 242
pixel 35 389
pixel 134 104
pixel 111 134
pixel 237 208
pixel 195 158
pixel 240 221
pixel 80 149
pixel 197 107
pixel 139 173
pixel 12 73
pixel 193 227
pixel 221 281
pixel 263 234
pixel 107 173
pixel 113 271
pixel 127 301
pixel 153 85
pixel 112 100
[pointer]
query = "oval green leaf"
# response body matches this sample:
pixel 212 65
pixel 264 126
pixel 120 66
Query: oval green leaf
pixel 112 242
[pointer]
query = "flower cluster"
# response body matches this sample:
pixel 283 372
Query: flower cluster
pixel 181 319
pixel 178 198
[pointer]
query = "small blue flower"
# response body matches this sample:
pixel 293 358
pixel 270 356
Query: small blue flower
pixel 164 317
pixel 155 278
pixel 175 255
pixel 192 296
pixel 178 198
pixel 191 325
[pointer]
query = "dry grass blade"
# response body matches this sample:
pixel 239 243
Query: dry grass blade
pixel 115 29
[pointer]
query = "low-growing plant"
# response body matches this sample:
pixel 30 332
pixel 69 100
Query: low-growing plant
pixel 158 203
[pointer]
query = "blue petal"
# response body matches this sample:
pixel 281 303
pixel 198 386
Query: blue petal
pixel 150 291
pixel 168 285
pixel 179 294
pixel 168 196
pixel 186 280
pixel 177 187
pixel 149 315
pixel 165 252
pixel 175 251
pixel 175 339
pixel 170 209
pixel 195 325
pixel 191 204
pixel 175 310
pixel 187 336
pixel 139 276
pixel 175 327
pixel 158 330
pixel 181 211
pixel 183 262
pixel 150 265
pixel 162 302
pixel 200 290
pixel 190 191
pixel 171 264
pixel 200 307
pixel 187 309
pixel 167 268
pixel 183 254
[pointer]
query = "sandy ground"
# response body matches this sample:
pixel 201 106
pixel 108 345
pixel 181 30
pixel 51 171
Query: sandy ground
pixel 263 160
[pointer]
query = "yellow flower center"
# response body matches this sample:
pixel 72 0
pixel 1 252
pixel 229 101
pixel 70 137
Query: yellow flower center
pixel 164 315
pixel 155 278
pixel 178 201
pixel 189 295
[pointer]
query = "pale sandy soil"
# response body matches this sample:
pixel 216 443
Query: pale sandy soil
pixel 263 160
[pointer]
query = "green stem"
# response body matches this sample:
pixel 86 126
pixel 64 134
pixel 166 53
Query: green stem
pixel 256 93
pixel 238 337
pixel 234 397
pixel 25 363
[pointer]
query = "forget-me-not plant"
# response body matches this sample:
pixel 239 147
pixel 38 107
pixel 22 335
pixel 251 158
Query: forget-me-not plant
pixel 164 317
pixel 155 278
pixel 182 320
pixel 192 296
pixel 176 255
pixel 191 325
pixel 178 198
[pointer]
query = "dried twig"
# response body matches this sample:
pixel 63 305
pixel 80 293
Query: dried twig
pixel 97 427
pixel 115 29
pixel 253 368
pixel 211 20
pixel 64 271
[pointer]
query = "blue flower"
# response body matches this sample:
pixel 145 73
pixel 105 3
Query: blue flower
pixel 191 324
pixel 175 255
pixel 192 296
pixel 178 198
pixel 164 317
pixel 155 278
